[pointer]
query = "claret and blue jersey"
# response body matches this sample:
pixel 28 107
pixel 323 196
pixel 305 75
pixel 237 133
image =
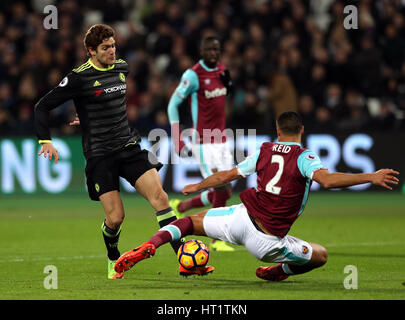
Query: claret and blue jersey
pixel 206 93
pixel 284 176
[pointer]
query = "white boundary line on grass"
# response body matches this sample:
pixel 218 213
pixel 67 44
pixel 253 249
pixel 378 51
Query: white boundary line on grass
pixel 52 259
pixel 361 244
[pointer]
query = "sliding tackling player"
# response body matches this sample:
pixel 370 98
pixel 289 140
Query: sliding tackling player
pixel 285 171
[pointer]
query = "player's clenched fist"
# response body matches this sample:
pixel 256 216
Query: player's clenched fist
pixel 191 188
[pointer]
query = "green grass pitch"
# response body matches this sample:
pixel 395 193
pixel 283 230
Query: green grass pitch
pixel 365 230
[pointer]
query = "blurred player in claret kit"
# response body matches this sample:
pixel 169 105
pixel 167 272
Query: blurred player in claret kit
pixel 261 223
pixel 206 86
pixel 110 146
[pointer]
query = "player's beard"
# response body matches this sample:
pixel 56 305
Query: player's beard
pixel 106 61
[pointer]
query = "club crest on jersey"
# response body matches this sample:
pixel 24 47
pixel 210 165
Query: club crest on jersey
pixel 122 77
pixel 207 81
pixel 305 249
pixel 64 82
pixel 185 84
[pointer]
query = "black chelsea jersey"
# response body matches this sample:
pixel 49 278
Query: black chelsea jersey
pixel 99 98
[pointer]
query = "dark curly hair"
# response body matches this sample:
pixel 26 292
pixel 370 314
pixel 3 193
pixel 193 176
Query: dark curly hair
pixel 95 35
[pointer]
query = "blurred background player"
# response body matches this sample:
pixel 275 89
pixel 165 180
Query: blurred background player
pixel 261 223
pixel 110 146
pixel 206 86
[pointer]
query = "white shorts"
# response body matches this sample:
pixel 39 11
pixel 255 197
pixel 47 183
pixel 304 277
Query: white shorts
pixel 232 224
pixel 212 157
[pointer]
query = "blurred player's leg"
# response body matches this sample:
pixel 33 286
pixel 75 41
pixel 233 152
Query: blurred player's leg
pixel 202 200
pixel 220 197
pixel 216 157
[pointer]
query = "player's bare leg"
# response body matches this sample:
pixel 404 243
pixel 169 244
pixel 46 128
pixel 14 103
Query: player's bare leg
pixel 283 271
pixel 113 208
pixel 150 187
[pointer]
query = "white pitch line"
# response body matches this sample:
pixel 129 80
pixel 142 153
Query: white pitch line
pixel 51 259
pixel 354 244
pixel 363 244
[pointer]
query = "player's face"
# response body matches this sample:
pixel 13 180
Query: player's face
pixel 105 53
pixel 210 53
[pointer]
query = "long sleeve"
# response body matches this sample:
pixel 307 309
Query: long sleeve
pixel 189 83
pixel 173 108
pixel 67 89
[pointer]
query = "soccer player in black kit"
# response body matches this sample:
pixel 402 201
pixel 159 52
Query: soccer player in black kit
pixel 110 146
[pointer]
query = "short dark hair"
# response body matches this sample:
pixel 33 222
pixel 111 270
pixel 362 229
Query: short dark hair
pixel 208 39
pixel 95 35
pixel 289 123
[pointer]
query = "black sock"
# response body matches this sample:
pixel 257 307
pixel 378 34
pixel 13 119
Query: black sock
pixel 111 241
pixel 164 217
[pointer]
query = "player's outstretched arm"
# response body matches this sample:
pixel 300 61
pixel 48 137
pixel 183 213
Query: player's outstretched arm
pixel 217 179
pixel 383 178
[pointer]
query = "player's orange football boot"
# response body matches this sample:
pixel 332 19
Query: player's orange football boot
pixel 201 271
pixel 266 273
pixel 130 258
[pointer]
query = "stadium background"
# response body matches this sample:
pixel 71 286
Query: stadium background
pixel 349 86
pixel 282 55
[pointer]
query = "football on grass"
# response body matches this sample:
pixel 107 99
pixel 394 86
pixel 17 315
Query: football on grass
pixel 193 253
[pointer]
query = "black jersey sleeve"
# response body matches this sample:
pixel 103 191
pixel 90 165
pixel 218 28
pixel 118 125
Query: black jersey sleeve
pixel 68 88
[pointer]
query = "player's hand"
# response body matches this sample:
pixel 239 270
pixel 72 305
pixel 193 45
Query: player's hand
pixel 190 188
pixel 227 81
pixel 75 122
pixel 384 177
pixel 49 151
